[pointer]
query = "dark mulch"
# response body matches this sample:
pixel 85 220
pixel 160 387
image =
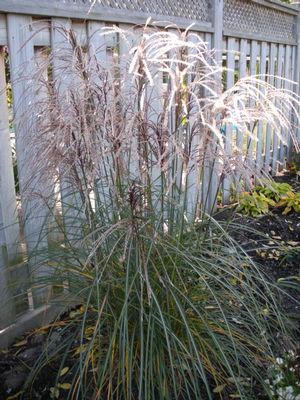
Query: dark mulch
pixel 273 242
pixel 284 231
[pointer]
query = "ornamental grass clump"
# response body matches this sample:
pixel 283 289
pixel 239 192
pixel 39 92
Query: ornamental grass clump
pixel 171 307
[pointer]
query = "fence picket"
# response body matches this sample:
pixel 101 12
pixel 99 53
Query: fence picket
pixel 212 167
pixel 97 49
pixel 64 77
pixel 9 227
pixel 21 55
pixel 254 52
pixel 286 85
pixel 231 47
pixel 242 73
pixel 8 204
pixel 261 125
pixel 278 84
pixel 194 183
pixel 269 130
pixel 292 137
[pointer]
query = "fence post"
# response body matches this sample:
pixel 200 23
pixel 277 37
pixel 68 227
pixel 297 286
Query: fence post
pixel 217 44
pixel 218 9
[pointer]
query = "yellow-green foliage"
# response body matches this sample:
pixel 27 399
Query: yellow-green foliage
pixel 290 202
pixel 274 190
pixel 279 195
pixel 254 204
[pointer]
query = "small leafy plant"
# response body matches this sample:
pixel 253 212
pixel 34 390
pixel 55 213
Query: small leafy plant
pixel 254 204
pixel 290 202
pixel 258 202
pixel 274 190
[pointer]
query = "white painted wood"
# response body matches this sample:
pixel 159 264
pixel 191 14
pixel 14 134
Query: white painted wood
pixel 97 13
pixel 127 40
pixel 257 37
pixel 8 204
pixel 7 315
pixel 80 30
pixel 194 182
pixel 212 174
pixel 240 135
pixel 260 126
pixel 97 48
pixel 172 160
pixel 218 7
pixel 230 65
pixel 80 11
pixel 278 84
pixel 154 97
pixel 297 76
pixel 64 77
pixel 39 29
pixel 9 227
pixel 253 66
pixel 21 55
pixel 212 169
pixel 269 130
pixel 292 135
pixel 286 86
pixel 97 42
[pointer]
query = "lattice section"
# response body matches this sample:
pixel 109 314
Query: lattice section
pixel 245 16
pixel 199 10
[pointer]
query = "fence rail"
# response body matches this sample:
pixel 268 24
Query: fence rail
pixel 250 36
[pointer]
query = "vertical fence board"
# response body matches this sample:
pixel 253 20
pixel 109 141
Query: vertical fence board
pixel 278 84
pixel 216 42
pixel 242 73
pixel 7 315
pixel 292 136
pixel 194 182
pixel 261 125
pixel 297 75
pixel 21 53
pixel 229 129
pixel 210 177
pixel 129 91
pixel 254 52
pixel 9 227
pixel 8 204
pixel 97 50
pixel 286 85
pixel 64 77
pixel 271 72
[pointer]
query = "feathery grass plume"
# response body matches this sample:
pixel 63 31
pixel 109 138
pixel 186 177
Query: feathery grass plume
pixel 172 307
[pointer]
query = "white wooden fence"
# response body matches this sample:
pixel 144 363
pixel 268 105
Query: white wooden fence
pixel 261 36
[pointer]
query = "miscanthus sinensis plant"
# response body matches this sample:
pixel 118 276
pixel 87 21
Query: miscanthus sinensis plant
pixel 171 306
